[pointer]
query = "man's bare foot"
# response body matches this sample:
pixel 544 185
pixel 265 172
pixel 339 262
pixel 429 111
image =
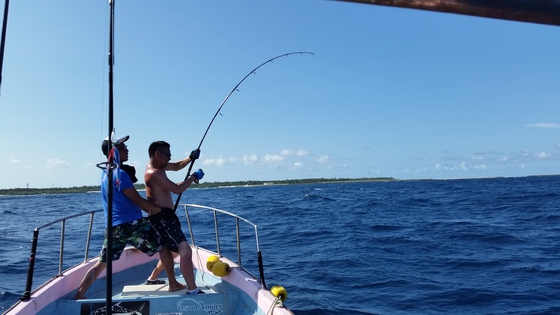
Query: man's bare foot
pixel 176 287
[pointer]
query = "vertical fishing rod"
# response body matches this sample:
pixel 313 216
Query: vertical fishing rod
pixel 225 100
pixel 3 41
pixel 109 273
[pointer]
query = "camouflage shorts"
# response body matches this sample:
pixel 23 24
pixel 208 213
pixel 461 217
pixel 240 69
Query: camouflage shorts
pixel 138 233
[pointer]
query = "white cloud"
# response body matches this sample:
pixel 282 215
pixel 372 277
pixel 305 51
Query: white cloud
pixel 543 155
pixel 15 161
pixel 297 165
pixel 273 158
pixel 287 152
pixel 442 167
pixel 215 162
pixel 544 125
pixel 56 163
pixel 249 159
pixel 323 159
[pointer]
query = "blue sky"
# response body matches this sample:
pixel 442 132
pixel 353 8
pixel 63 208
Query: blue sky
pixel 388 92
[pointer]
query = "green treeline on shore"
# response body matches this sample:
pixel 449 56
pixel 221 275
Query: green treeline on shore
pixel 84 189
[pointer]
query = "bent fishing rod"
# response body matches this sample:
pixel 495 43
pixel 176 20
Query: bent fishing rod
pixel 223 103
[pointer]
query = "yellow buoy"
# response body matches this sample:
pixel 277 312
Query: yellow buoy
pixel 211 261
pixel 220 269
pixel 280 292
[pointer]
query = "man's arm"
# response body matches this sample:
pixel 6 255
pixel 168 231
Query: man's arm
pixel 158 178
pixel 179 165
pixel 144 204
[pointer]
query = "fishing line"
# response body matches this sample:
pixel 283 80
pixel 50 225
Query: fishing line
pixel 226 99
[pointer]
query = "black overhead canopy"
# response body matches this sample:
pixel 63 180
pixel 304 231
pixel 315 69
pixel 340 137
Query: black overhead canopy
pixel 533 11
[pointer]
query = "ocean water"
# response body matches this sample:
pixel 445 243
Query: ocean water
pixel 477 246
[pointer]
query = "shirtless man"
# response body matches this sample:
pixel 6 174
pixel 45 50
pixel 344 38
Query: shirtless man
pixel 158 190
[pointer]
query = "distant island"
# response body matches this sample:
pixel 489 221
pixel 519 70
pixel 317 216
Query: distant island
pixel 85 189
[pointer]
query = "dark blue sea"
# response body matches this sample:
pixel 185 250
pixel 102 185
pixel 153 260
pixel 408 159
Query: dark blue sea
pixel 476 246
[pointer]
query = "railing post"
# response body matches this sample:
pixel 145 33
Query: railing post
pixel 61 256
pixel 27 293
pixel 189 224
pixel 89 236
pixel 259 255
pixel 238 237
pixel 261 269
pixel 217 234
